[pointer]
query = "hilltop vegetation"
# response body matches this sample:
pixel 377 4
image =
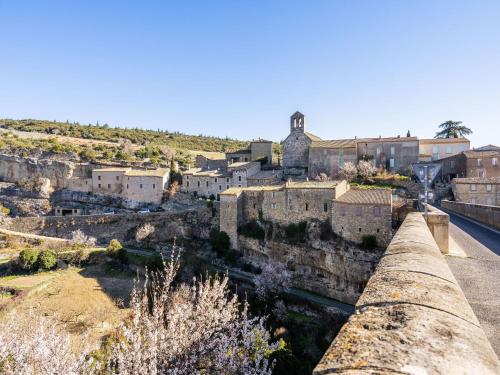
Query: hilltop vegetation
pixel 120 144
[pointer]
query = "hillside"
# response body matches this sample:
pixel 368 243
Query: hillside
pixel 105 143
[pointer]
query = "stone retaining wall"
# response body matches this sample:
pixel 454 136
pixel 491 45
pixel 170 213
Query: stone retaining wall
pixel 412 317
pixel 488 215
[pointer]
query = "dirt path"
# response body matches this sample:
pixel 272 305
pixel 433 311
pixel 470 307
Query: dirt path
pixel 32 236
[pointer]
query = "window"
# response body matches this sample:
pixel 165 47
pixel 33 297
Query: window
pixel 215 179
pixel 488 187
pixel 207 183
pixel 99 178
pixel 239 185
pixel 154 186
pixel 140 186
pixel 359 211
pixel 435 150
pixel 494 162
pixel 117 178
pixel 187 177
pixel 127 185
pixel 220 187
pixel 273 194
pixel 359 230
pixel 99 186
pixel 227 186
pixel 393 150
pixel 273 205
pixel 472 201
pixel 239 178
pixel 479 162
pixel 448 149
pixel 489 201
pixel 307 206
pixel 325 207
pixel 187 184
pixel 391 163
pixel 378 230
pixel 472 187
pixel 227 180
pixel 109 186
pixel 378 151
pixel 198 183
pixel 376 211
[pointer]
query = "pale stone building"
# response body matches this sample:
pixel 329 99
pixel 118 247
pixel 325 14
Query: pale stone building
pixel 296 145
pixel 367 212
pixel 303 151
pixel 476 190
pixel 440 148
pixel 135 186
pixel 287 203
pixel 258 150
pixel 205 183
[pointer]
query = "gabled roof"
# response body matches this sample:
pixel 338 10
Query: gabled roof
pixel 444 140
pixel 480 154
pixel 367 196
pixel 488 148
pixel 335 143
pixel 312 137
pixel 386 139
pixel 476 180
pixel 160 172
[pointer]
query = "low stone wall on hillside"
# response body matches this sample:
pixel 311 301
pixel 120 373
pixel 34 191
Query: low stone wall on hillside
pixel 188 224
pixel 412 317
pixel 488 215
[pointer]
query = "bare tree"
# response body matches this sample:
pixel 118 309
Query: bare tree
pixel 273 280
pixel 144 231
pixel 322 177
pixel 348 171
pixel 365 169
pixel 34 344
pixel 188 330
pixel 80 238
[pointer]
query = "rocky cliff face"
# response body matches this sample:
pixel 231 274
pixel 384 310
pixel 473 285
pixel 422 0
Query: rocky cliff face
pixel 333 268
pixel 15 169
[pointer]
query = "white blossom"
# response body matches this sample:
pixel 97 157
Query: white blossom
pixel 348 171
pixel 144 231
pixel 273 280
pixel 80 238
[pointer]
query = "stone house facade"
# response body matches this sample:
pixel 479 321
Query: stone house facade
pixel 258 150
pixel 291 202
pixel 135 186
pixel 485 191
pixel 201 182
pixel 440 148
pixel 482 164
pixel 359 213
pixel 329 156
pixel 307 152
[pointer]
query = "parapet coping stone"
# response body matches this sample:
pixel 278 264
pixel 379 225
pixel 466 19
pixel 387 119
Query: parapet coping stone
pixel 412 317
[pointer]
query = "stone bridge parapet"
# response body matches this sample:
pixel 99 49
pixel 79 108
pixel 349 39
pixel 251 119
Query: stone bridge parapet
pixel 412 317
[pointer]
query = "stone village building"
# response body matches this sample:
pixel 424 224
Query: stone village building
pixel 477 190
pixel 247 167
pixel 307 154
pixel 135 186
pixel 294 202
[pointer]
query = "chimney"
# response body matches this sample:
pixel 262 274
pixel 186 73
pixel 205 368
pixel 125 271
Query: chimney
pixel 355 137
pixel 399 136
pixel 379 137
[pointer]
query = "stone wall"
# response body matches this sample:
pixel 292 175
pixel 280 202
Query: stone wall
pixel 412 317
pixel 187 224
pixel 485 191
pixel 296 150
pixel 230 213
pixel 354 221
pixel 488 215
pixel 329 160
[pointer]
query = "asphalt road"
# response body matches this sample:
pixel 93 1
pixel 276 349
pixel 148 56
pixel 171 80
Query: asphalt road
pixel 479 273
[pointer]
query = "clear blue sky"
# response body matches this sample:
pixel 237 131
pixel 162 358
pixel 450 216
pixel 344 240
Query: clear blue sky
pixel 240 68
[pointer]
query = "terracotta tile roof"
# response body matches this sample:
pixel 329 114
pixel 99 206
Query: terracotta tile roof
pixel 312 137
pixel 480 154
pixel 335 143
pixel 367 196
pixel 476 180
pixel 386 139
pixel 312 184
pixel 444 140
pixel 160 172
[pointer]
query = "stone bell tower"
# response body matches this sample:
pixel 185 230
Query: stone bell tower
pixel 297 122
